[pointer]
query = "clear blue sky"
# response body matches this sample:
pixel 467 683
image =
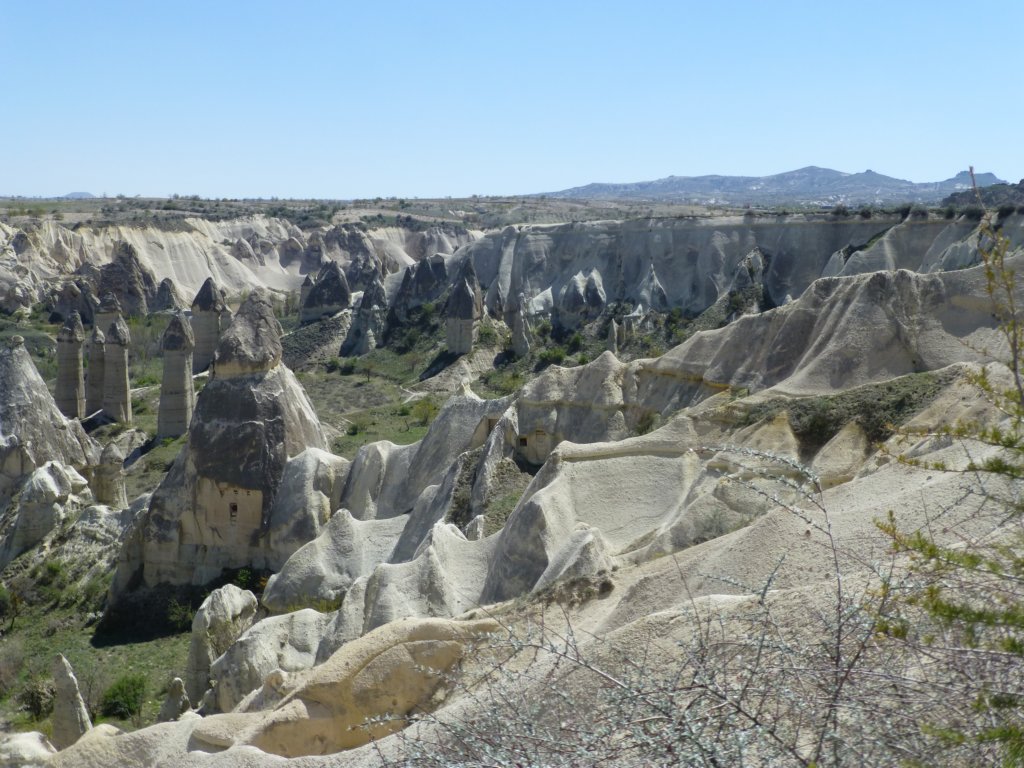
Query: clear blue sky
pixel 344 99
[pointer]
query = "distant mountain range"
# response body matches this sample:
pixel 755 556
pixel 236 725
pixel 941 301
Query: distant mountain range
pixel 808 186
pixel 79 196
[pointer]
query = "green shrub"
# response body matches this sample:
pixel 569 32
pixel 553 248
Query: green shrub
pixel 424 411
pixel 125 697
pixel 552 356
pixel 575 343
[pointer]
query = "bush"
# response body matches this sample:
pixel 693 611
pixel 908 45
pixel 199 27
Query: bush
pixel 552 356
pixel 424 411
pixel 125 697
pixel 36 698
pixel 575 343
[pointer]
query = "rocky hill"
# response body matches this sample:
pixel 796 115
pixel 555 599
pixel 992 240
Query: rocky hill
pixel 808 186
pixel 607 564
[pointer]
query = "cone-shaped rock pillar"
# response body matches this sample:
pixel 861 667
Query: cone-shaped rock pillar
pixel 208 322
pixel 464 308
pixel 108 478
pixel 177 397
pixel 70 395
pixel 117 397
pixel 97 369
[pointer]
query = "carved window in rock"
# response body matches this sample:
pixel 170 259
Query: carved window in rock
pixel 233 512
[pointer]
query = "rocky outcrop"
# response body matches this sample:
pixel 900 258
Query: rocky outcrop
pixel 70 390
pixel 425 281
pixel 107 311
pixel 167 297
pixel 117 396
pixel 96 374
pixel 208 321
pixel 463 310
pixel 25 750
pixel 328 296
pixel 219 622
pixel 126 278
pixel 177 395
pixel 176 703
pixel 70 716
pixel 108 478
pixel 32 429
pixel 213 509
pixel 370 322
pixel 391 671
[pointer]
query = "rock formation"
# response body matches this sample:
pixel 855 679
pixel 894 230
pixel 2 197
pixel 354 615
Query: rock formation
pixel 117 396
pixel 422 282
pixel 208 323
pixel 213 509
pixel 97 370
pixel 328 296
pixel 32 429
pixel 108 310
pixel 369 326
pixel 304 289
pixel 521 329
pixel 70 393
pixel 177 395
pixel 127 279
pixel 175 704
pixel 108 478
pixel 70 716
pixel 218 623
pixel 167 297
pixel 464 309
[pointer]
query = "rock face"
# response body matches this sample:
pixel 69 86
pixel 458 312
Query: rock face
pixel 208 322
pixel 218 623
pixel 70 716
pixel 213 509
pixel 521 329
pixel 117 398
pixel 97 371
pixel 370 323
pixel 177 395
pixel 126 278
pixel 108 478
pixel 176 704
pixel 391 671
pixel 25 750
pixel 464 309
pixel 70 394
pixel 32 428
pixel 167 297
pixel 107 311
pixel 328 296
pixel 421 282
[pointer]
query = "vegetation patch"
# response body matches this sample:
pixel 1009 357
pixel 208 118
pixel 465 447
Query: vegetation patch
pixel 878 408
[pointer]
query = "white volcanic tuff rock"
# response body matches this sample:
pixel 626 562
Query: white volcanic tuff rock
pixel 691 264
pixel 329 295
pixel 324 569
pixel 303 502
pixel 214 506
pixel 288 643
pixel 177 394
pixel 220 620
pixel 25 750
pixel 70 716
pixel 385 480
pixel 843 332
pixel 167 297
pixel 392 671
pixel 49 496
pixel 370 322
pixel 176 703
pixel 70 390
pixel 127 279
pixel 32 429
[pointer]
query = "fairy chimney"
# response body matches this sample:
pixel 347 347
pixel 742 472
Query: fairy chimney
pixel 97 367
pixel 208 323
pixel 70 394
pixel 117 399
pixel 177 397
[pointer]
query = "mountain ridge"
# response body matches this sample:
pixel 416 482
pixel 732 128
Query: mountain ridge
pixel 808 185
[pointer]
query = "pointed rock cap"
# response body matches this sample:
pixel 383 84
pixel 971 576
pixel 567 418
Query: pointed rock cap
pixel 308 281
pixel 15 341
pixel 374 297
pixel 465 301
pixel 178 336
pixel 109 304
pixel 112 455
pixel 97 336
pixel 167 296
pixel 118 333
pixel 72 331
pixel 331 288
pixel 253 342
pixel 209 298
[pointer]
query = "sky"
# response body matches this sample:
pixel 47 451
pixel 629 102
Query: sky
pixel 342 100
